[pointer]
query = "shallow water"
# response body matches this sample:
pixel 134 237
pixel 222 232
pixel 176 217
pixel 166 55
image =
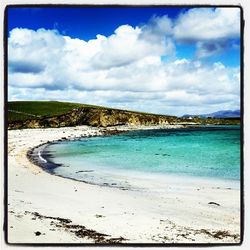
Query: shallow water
pixel 206 152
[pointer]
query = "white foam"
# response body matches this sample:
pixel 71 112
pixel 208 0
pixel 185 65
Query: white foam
pixel 41 158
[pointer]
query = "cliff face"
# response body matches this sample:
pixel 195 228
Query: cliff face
pixel 98 117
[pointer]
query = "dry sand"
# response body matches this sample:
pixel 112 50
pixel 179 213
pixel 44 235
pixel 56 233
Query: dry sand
pixel 43 208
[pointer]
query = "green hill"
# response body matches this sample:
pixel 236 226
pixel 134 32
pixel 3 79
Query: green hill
pixel 45 114
pixel 23 110
pixel 34 114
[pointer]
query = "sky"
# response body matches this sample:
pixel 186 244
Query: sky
pixel 161 60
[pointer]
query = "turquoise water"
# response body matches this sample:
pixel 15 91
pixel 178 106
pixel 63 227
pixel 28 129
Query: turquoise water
pixel 210 152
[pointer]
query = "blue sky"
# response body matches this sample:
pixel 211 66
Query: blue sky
pixel 84 23
pixel 110 44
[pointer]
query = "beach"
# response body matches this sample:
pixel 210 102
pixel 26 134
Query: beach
pixel 44 208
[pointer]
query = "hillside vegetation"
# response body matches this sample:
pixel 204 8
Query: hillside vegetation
pixel 23 110
pixel 37 114
pixel 44 114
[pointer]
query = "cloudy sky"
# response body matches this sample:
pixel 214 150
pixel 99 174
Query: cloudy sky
pixel 160 60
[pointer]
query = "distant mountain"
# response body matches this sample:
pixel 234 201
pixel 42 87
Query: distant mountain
pixel 218 114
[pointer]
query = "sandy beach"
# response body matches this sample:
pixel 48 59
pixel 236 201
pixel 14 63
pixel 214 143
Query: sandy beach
pixel 44 208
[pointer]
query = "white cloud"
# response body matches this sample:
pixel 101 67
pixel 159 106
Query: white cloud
pixel 207 24
pixel 208 28
pixel 129 44
pixel 123 70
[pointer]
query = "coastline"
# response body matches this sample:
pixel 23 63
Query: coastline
pixel 66 211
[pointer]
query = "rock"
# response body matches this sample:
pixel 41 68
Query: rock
pixel 213 203
pixel 99 216
pixel 37 233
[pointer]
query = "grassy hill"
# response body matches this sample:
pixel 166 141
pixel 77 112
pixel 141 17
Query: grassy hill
pixel 23 110
pixel 28 114
pixel 36 114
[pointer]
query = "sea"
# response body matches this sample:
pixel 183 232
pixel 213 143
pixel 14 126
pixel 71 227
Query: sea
pixel 210 153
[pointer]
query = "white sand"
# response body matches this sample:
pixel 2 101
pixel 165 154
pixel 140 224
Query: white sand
pixel 179 213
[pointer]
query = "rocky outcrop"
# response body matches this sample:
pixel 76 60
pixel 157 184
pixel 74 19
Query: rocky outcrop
pixel 97 117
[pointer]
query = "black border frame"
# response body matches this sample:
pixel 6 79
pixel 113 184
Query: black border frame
pixel 5 42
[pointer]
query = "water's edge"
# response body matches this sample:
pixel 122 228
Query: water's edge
pixel 39 156
pixel 42 157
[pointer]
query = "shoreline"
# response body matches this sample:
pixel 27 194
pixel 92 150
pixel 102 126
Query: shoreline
pixel 31 207
pixel 41 157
